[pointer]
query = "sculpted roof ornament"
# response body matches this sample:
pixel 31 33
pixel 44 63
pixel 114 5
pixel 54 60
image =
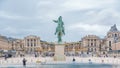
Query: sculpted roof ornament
pixel 113 28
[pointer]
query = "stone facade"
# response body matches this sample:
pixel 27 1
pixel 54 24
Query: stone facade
pixel 92 43
pixel 32 44
pixel 5 44
pixel 18 46
pixel 73 48
pixel 112 40
pixel 47 48
pixel 116 46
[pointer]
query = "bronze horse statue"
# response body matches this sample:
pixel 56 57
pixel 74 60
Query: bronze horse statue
pixel 60 29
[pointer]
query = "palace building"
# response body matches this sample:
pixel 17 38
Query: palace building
pixel 91 45
pixel 31 43
pixel 5 43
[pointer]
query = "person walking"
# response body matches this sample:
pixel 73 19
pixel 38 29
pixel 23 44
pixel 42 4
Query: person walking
pixel 73 59
pixel 24 62
pixel 6 56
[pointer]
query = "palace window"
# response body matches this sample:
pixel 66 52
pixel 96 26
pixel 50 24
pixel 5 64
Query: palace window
pixel 34 44
pixel 28 40
pixel 35 40
pixel 31 44
pixel 103 52
pixel 31 49
pixel 95 49
pixel 91 44
pixel 91 49
pixel 115 35
pixel 28 44
pixel 94 39
pixel 109 43
pixel 88 40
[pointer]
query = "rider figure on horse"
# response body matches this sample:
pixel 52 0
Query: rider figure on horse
pixel 59 29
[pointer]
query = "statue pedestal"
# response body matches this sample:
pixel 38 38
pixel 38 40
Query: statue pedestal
pixel 59 52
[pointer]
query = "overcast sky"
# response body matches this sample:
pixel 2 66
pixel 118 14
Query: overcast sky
pixel 20 18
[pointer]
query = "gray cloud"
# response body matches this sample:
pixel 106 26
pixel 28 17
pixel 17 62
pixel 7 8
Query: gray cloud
pixel 34 17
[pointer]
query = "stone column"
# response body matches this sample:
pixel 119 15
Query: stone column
pixel 29 45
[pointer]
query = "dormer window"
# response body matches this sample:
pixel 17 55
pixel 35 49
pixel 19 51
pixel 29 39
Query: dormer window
pixel 115 35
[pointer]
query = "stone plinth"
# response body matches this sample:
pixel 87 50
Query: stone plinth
pixel 59 52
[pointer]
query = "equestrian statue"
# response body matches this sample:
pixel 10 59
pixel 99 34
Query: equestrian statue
pixel 59 29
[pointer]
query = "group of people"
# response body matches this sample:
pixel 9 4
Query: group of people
pixel 24 61
pixel 90 62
